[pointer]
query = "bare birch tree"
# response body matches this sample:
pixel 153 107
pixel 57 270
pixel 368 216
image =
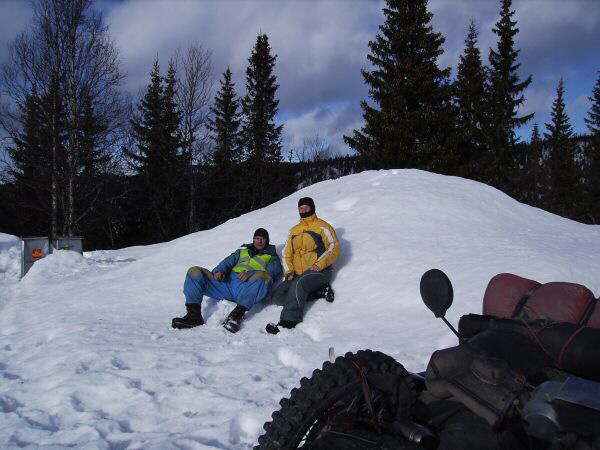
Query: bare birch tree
pixel 195 81
pixel 67 46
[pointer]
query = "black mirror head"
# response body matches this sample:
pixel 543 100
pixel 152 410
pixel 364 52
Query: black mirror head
pixel 436 292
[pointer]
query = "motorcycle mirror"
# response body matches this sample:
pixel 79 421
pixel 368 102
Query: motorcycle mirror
pixel 436 292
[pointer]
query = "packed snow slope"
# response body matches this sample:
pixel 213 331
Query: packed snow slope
pixel 88 358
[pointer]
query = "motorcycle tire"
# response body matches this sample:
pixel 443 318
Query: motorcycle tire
pixel 305 411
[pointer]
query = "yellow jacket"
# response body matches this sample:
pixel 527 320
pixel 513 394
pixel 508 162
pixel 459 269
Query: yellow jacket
pixel 312 241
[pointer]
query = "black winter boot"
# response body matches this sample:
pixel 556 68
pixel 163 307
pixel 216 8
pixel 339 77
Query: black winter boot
pixel 192 319
pixel 234 319
pixel 325 292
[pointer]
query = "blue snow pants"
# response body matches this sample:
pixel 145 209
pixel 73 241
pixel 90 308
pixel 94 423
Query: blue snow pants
pixel 200 282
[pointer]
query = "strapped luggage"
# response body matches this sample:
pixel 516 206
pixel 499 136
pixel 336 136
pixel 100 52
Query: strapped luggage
pixel 512 297
pixel 562 318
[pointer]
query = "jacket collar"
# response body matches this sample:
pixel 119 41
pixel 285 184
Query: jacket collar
pixel 308 220
pixel 269 250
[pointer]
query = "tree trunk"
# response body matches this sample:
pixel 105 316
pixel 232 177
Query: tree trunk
pixel 192 225
pixel 54 174
pixel 54 188
pixel 71 204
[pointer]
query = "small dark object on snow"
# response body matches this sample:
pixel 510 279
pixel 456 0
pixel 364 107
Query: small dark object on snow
pixel 192 319
pixel 274 329
pixel 271 328
pixel 325 292
pixel 233 322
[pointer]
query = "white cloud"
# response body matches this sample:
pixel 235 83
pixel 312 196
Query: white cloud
pixel 312 43
pixel 329 124
pixel 322 46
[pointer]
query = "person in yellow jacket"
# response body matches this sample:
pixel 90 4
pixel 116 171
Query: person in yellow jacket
pixel 309 253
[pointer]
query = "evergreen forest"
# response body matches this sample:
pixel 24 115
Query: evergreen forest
pixel 81 157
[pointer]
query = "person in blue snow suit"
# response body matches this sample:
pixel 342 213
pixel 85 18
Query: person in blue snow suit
pixel 244 277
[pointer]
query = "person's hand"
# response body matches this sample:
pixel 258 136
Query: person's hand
pixel 315 268
pixel 243 276
pixel 290 276
pixel 219 276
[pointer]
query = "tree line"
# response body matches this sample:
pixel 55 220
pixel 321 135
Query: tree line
pixel 418 117
pixel 86 159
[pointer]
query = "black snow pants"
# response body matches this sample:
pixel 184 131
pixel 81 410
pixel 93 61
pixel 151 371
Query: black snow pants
pixel 292 294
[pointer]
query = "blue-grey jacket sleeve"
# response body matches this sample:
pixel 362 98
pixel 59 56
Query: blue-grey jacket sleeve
pixel 228 263
pixel 274 268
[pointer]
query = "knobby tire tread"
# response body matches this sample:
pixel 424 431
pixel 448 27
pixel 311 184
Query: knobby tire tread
pixel 298 412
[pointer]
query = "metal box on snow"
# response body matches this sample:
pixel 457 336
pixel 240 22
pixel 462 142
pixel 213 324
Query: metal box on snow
pixel 74 243
pixel 33 249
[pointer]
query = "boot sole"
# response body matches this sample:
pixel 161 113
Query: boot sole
pixel 330 296
pixel 182 326
pixel 231 327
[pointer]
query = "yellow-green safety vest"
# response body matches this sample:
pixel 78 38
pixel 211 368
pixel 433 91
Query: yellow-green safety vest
pixel 247 262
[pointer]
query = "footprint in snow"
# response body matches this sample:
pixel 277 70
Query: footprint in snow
pixel 77 404
pixel 118 364
pixel 9 404
pixel 155 336
pixel 6 374
pixel 82 368
pixel 136 383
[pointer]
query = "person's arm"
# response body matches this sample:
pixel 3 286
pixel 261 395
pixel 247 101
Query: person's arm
pixel 227 264
pixel 332 247
pixel 288 260
pixel 274 268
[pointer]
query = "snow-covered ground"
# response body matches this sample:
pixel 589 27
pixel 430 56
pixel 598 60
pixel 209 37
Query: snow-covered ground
pixel 10 265
pixel 88 358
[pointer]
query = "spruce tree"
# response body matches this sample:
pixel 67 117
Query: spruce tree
pixel 171 119
pixel 95 163
pixel 156 159
pixel 504 98
pixel 593 119
pixel 592 156
pixel 225 123
pixel 563 172
pixel 226 156
pixel 39 161
pixel 408 122
pixel 469 91
pixel 93 160
pixel 533 175
pixel 260 137
pixel 28 155
pixel 31 167
pixel 147 125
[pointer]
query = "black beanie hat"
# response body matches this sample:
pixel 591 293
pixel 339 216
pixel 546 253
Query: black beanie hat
pixel 262 233
pixel 307 201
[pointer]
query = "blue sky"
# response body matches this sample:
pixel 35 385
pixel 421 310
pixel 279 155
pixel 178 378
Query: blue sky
pixel 322 46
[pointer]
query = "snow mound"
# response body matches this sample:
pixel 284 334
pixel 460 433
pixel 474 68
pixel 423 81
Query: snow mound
pixel 88 358
pixel 10 257
pixel 58 264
